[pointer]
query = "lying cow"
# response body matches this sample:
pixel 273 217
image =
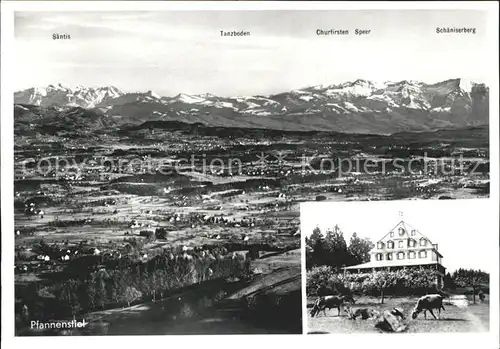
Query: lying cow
pixel 330 302
pixel 391 321
pixel 398 312
pixel 428 302
pixel 366 314
pixel 363 312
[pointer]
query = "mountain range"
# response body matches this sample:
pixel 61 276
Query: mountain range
pixel 359 106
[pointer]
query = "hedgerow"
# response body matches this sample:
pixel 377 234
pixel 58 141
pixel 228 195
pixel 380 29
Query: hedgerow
pixel 397 283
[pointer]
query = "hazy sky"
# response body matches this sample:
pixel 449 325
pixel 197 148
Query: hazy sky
pixel 172 52
pixel 461 228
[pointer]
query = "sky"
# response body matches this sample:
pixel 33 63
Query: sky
pixel 182 51
pixel 461 228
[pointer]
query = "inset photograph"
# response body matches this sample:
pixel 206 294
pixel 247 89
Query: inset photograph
pixel 397 266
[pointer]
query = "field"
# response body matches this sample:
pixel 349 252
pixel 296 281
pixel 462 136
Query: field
pixel 461 315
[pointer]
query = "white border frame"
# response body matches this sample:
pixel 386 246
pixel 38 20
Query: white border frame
pixel 489 340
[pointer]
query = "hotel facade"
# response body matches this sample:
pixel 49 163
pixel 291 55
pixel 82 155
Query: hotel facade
pixel 403 247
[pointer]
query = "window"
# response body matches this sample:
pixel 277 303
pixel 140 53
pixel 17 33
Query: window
pixel 392 234
pixel 412 255
pixel 401 232
pixel 422 254
pixel 412 243
pixel 380 245
pixel 423 242
pixel 401 255
pixel 389 256
pixel 390 244
pixel 413 232
pixel 400 245
pixel 379 256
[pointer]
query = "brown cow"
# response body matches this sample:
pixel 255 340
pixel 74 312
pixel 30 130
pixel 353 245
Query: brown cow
pixel 330 302
pixel 428 302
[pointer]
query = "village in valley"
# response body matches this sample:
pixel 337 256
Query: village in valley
pixel 109 229
pixel 105 210
pixel 397 283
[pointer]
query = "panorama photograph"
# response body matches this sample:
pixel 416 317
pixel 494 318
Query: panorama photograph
pixel 160 158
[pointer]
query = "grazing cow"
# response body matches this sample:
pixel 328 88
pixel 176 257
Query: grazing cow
pixel 428 302
pixel 330 302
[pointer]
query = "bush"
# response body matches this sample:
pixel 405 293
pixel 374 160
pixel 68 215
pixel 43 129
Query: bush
pixel 318 276
pixel 161 233
pixel 148 234
pixel 400 282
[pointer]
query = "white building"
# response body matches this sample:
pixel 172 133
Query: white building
pixel 403 247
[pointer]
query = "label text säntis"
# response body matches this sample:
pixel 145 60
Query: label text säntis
pixel 56 36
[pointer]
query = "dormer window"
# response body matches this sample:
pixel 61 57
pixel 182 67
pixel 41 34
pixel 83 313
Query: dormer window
pixel 401 255
pixel 423 242
pixel 390 244
pixel 401 232
pixel 380 245
pixel 412 243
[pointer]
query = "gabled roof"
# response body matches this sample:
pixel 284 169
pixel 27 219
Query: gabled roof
pixel 407 227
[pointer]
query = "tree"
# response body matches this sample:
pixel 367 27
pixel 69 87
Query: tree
pixel 100 294
pixel 131 294
pixel 309 256
pixel 316 249
pixel 359 249
pixel 448 281
pixel 69 296
pixel 161 233
pixel 331 249
pixel 148 234
pixel 317 277
pixel 474 279
pixel 381 280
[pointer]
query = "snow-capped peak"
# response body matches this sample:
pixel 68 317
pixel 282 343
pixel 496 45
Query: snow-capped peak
pixel 58 87
pixel 59 94
pixel 351 97
pixel 153 94
pixel 190 99
pixel 206 95
pixel 465 85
